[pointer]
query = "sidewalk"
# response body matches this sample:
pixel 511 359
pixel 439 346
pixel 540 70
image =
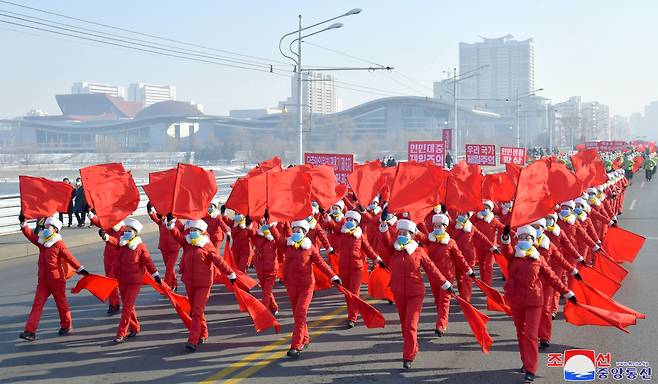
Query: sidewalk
pixel 15 245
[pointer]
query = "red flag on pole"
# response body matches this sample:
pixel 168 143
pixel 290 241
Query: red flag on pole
pixel 416 188
pixel 583 314
pixel 622 245
pixel 97 285
pixel 260 315
pixel 503 264
pixel 238 200
pixel 257 195
pixel 498 187
pixel 478 323
pixel 325 190
pixel 379 284
pixel 495 300
pixel 273 164
pixel 41 197
pixel 599 281
pixel 322 282
pixel 160 190
pixel 372 318
pixel 365 181
pixel 289 194
pixel 604 264
pixel 533 198
pixel 587 294
pixel 195 188
pixel 111 191
pixel 464 188
pixel 180 303
pixel 589 167
pixel 513 172
pixel 562 183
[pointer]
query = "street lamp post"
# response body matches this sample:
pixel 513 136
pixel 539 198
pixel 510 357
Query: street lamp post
pixel 518 116
pixel 298 70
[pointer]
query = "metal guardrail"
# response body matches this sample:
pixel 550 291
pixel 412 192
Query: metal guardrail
pixel 10 205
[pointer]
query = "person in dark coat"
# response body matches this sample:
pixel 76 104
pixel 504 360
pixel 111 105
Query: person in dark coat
pixel 69 210
pixel 448 160
pixel 80 204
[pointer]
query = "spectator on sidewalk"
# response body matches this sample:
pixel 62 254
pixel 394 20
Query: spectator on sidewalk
pixel 69 210
pixel 80 204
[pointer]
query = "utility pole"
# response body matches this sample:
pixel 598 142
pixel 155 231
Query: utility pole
pixel 456 136
pixel 300 111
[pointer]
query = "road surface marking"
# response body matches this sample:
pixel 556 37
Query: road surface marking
pixel 266 349
pixel 633 204
pixel 642 185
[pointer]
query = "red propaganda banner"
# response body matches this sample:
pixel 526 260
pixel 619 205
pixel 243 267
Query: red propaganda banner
pixel 611 146
pixel 591 145
pixel 481 154
pixel 512 155
pixel 343 163
pixel 423 151
pixel 446 136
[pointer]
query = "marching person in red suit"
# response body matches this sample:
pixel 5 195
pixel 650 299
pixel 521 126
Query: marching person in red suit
pixel 299 256
pixel 196 268
pixel 110 254
pixel 491 228
pixel 572 228
pixel 168 246
pixel 336 218
pixel 265 240
pixel 528 271
pixel 129 268
pixel 351 243
pixel 217 228
pixel 447 257
pixel 407 284
pixel 51 275
pixel 581 212
pixel 241 246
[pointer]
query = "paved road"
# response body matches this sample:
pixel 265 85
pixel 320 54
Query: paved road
pixel 236 353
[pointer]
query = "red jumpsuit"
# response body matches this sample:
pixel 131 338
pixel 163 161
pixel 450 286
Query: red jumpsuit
pixel 216 230
pixel 588 226
pixel 523 291
pixel 409 289
pixel 196 268
pixel 490 227
pixel 350 248
pixel 51 280
pixel 577 234
pixel 447 257
pixel 569 252
pixel 241 246
pixel 299 280
pixel 467 239
pixel 110 254
pixel 169 248
pixel 129 268
pixel 265 257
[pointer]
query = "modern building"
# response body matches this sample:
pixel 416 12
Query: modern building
pixel 596 121
pixel 496 68
pixel 89 88
pixel 253 113
pixel 147 94
pixel 570 113
pixel 620 127
pixel 318 94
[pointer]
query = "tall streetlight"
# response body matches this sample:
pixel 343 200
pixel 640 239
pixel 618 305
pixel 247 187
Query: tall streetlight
pixel 518 118
pixel 298 68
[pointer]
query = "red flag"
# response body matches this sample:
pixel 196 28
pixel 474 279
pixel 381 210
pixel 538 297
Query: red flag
pixel 289 194
pixel 41 197
pixel 365 276
pixel 379 284
pixel 322 282
pixel 616 164
pixel 238 200
pixel 325 190
pixel 478 323
pixel 589 167
pixel 228 257
pixel 416 188
pixel 372 318
pixel 513 172
pixel 599 281
pixel 243 281
pixel 149 280
pixel 583 314
pixel 180 303
pixel 587 294
pixel 260 315
pixel 111 191
pixel 97 285
pixel 637 163
pixel 257 195
pixel 195 188
pixel 604 264
pixel 498 187
pixel 464 188
pixel 495 300
pixel 333 262
pixel 533 198
pixel 273 164
pixel 622 245
pixel 503 264
pixel 562 183
pixel 365 181
pixel 160 189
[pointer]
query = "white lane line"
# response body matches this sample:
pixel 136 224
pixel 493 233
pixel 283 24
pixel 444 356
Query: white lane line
pixel 642 185
pixel 651 238
pixel 633 204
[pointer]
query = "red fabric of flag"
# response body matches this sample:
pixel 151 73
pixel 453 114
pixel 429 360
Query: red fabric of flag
pixel 589 168
pixel 372 318
pixel 238 199
pixel 604 264
pixel 41 197
pixel 622 245
pixel 260 314
pixel 195 188
pixel 416 188
pixel 495 299
pixel 365 181
pixel 583 314
pixel 562 183
pixel 180 303
pixel 111 191
pixel 322 282
pixel 478 323
pixel 97 285
pixel 637 163
pixel 599 281
pixel 257 195
pixel 289 194
pixel 513 172
pixel 533 198
pixel 503 264
pixel 325 189
pixel 498 187
pixel 160 190
pixel 464 188
pixel 273 164
pixel 379 284
pixel 587 294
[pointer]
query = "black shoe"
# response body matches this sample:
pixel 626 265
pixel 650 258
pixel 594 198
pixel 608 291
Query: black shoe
pixel 113 310
pixel 439 332
pixel 202 340
pixel 294 353
pixel 529 377
pixel 29 336
pixel 119 340
pixel 544 344
pixel 190 347
pixel 406 364
pixel 390 302
pixel 132 333
pixel 350 324
pixel 64 331
pixel 553 316
pixel 522 369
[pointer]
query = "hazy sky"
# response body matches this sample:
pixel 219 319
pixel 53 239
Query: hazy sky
pixel 600 50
